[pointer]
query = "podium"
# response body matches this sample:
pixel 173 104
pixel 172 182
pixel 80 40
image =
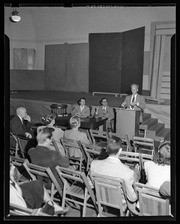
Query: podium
pixel 127 122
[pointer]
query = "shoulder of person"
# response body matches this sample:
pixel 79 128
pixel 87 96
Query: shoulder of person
pixel 148 163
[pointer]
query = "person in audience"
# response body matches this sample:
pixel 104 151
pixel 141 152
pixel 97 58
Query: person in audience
pixel 135 101
pixel 21 123
pixel 42 155
pixel 113 167
pixel 31 194
pixel 104 111
pixel 58 133
pixel 165 190
pixel 75 134
pixel 158 171
pixel 81 110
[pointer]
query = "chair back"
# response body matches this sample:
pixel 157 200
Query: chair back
pixel 109 192
pixel 14 144
pixel 144 145
pixel 150 202
pixel 40 172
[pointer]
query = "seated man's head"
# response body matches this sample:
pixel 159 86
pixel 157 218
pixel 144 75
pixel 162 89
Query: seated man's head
pixel 44 136
pixel 82 101
pixel 75 122
pixel 104 102
pixel 21 111
pixel 164 153
pixel 114 146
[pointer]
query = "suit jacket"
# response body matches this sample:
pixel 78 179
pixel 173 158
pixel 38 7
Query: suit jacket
pixel 101 112
pixel 84 113
pixel 42 156
pixel 19 128
pixel 113 167
pixel 139 99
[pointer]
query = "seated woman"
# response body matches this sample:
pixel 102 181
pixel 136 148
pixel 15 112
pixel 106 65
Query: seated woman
pixel 158 171
pixel 57 133
pixel 75 134
pixel 104 111
pixel 81 110
pixel 31 194
pixel 42 155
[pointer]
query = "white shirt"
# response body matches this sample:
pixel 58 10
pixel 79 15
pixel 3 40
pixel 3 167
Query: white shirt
pixel 20 118
pixel 81 107
pixel 156 174
pixel 134 98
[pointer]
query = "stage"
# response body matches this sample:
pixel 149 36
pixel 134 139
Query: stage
pixel 38 103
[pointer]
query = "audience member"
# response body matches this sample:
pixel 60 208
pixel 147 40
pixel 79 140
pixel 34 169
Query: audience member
pixel 135 101
pixel 104 111
pixel 81 110
pixel 158 171
pixel 58 133
pixel 42 155
pixel 113 167
pixel 31 194
pixel 165 190
pixel 75 134
pixel 20 124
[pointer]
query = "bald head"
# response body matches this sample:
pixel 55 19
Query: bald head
pixel 21 111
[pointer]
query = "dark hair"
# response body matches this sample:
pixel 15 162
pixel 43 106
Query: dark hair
pixel 44 134
pixel 104 98
pixel 113 145
pixel 164 153
pixel 82 98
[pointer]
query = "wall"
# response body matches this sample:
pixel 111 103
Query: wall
pixel 56 25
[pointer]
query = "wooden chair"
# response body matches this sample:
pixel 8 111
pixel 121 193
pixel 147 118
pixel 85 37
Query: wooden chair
pixel 76 189
pixel 16 210
pixel 82 159
pixel 17 144
pixel 110 192
pixel 40 172
pixel 150 202
pixel 144 145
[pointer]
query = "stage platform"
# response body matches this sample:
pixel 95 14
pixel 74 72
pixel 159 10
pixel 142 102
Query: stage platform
pixel 38 103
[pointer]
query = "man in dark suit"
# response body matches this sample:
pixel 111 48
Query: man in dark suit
pixel 135 101
pixel 20 124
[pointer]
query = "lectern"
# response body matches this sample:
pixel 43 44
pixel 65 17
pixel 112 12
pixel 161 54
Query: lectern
pixel 127 122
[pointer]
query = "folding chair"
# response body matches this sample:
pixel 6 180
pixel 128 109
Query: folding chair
pixel 76 152
pixel 76 189
pixel 17 144
pixel 16 210
pixel 42 173
pixel 110 192
pixel 144 145
pixel 150 202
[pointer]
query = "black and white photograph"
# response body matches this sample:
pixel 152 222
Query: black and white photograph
pixel 89 112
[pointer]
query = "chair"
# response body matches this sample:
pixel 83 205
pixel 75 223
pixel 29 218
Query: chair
pixel 76 189
pixel 150 202
pixel 41 173
pixel 21 211
pixel 17 145
pixel 144 145
pixel 76 152
pixel 110 192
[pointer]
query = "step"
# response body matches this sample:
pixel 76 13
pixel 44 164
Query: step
pixel 163 135
pixel 146 116
pixel 153 131
pixel 148 123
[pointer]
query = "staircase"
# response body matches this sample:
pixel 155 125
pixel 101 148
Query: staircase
pixel 154 129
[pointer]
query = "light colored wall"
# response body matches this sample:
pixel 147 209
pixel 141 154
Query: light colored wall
pixel 56 25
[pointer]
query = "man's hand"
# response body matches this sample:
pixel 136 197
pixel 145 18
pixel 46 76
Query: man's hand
pixel 28 135
pixel 28 118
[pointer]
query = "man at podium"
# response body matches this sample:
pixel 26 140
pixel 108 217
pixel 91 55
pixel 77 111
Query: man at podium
pixel 134 101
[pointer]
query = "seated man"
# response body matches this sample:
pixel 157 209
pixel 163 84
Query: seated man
pixel 42 155
pixel 57 134
pixel 81 110
pixel 104 111
pixel 113 167
pixel 20 124
pixel 31 194
pixel 135 101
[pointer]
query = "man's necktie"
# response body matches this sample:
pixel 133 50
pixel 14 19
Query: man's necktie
pixel 133 99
